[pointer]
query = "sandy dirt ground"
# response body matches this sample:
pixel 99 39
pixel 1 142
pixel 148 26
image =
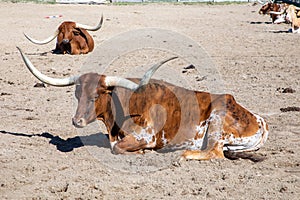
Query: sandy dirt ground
pixel 42 155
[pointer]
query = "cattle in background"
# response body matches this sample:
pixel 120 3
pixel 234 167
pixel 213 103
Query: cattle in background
pixel 292 17
pixel 142 114
pixel 72 38
pixel 269 7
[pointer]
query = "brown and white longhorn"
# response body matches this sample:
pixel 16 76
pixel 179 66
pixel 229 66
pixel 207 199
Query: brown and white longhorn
pixel 142 114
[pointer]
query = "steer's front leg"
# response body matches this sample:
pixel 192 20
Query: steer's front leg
pixel 129 145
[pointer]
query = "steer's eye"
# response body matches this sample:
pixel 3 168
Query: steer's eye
pixel 94 98
pixel 76 32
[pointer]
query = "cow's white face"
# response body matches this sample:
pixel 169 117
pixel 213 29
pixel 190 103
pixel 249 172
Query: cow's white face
pixel 290 13
pixel 288 17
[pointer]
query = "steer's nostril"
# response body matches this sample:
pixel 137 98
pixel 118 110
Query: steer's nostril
pixel 65 41
pixel 78 122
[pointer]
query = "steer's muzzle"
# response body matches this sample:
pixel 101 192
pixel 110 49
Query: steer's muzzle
pixel 79 123
pixel 65 41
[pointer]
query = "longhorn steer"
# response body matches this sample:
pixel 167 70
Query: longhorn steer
pixel 72 38
pixel 269 8
pixel 140 114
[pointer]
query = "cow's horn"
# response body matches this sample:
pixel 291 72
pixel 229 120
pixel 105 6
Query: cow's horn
pixel 90 28
pixel 260 2
pixel 120 82
pixel 277 13
pixel 297 8
pixel 49 39
pixel 125 83
pixel 45 79
pixel 147 76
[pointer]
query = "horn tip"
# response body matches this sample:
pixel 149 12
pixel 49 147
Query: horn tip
pixel 19 49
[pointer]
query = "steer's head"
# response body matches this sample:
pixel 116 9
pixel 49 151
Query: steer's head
pixel 92 96
pixel 265 8
pixel 66 32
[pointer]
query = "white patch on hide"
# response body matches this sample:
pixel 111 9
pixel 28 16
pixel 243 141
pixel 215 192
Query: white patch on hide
pixel 163 139
pixel 201 129
pixel 144 134
pixel 250 143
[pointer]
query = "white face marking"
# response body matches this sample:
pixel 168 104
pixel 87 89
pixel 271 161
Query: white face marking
pixel 107 81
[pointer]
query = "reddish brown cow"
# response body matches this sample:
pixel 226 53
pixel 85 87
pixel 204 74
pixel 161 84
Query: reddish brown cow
pixel 140 114
pixel 72 38
pixel 269 7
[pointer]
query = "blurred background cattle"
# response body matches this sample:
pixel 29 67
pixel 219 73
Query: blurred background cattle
pixel 72 38
pixel 282 12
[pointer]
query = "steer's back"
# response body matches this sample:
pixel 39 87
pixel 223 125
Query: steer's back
pixel 173 115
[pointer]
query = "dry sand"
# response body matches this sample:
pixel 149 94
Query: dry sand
pixel 42 156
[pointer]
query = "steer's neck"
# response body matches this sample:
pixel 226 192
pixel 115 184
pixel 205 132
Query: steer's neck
pixel 294 17
pixel 109 121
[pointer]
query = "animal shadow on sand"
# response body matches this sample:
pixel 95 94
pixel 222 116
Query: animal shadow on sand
pixel 272 31
pixel 280 31
pixel 39 54
pixel 98 139
pixel 260 22
pixel 101 140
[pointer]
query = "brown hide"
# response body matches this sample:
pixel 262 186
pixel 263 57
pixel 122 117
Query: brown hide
pixel 265 9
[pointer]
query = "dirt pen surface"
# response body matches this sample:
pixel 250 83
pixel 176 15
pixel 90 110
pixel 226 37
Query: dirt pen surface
pixel 42 155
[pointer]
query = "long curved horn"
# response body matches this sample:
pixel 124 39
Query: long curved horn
pixel 297 8
pixel 125 83
pixel 262 3
pixel 49 39
pixel 45 79
pixel 90 28
pixel 147 76
pixel 277 13
pixel 120 82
